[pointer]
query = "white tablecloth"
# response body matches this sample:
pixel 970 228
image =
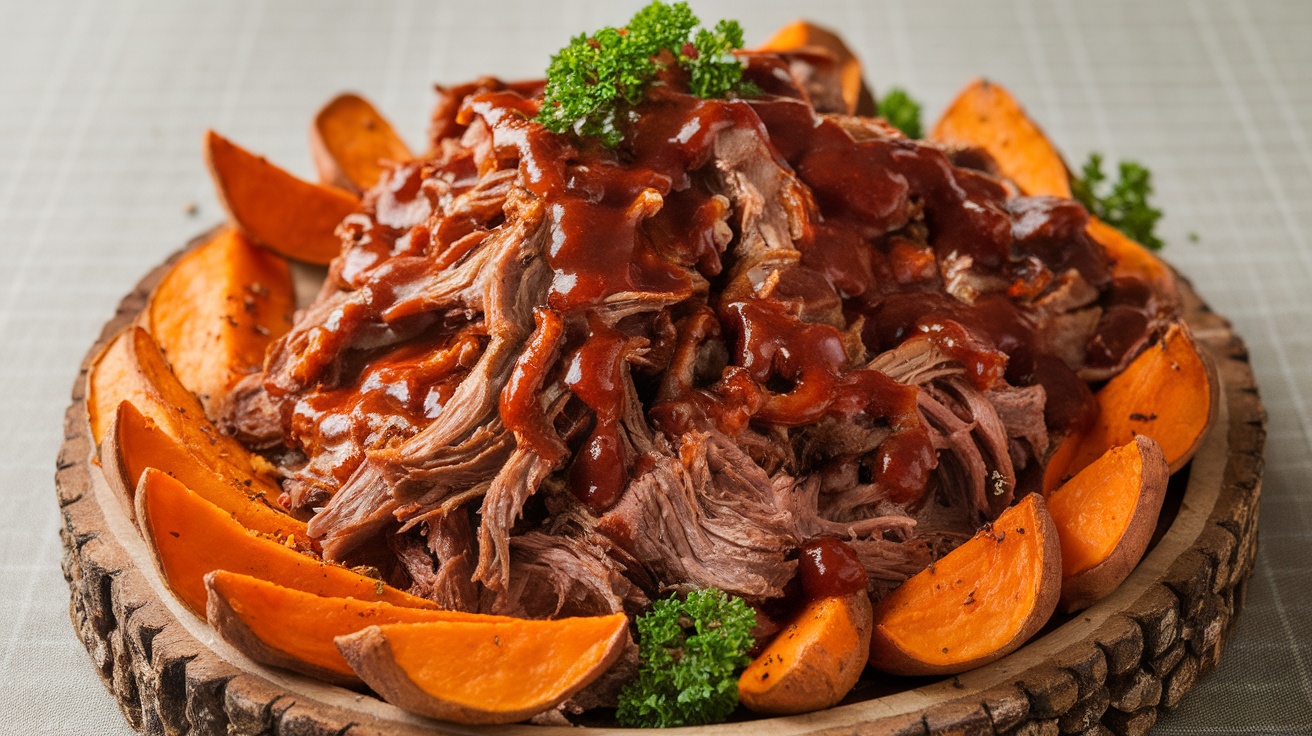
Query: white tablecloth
pixel 102 106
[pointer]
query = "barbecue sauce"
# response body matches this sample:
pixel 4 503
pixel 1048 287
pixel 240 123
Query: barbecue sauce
pixel 393 398
pixel 595 374
pixel 827 567
pixel 643 219
pixel 890 234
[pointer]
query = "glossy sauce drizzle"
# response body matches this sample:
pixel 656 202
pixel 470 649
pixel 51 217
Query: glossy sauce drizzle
pixel 882 219
pixel 828 567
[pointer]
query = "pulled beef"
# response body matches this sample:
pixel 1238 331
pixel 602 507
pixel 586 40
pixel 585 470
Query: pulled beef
pixel 246 413
pixel 440 565
pixel 564 569
pixel 706 516
pixel 549 378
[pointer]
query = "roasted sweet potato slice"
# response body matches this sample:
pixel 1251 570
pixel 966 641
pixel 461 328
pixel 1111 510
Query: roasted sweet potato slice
pixel 132 368
pixel 1105 517
pixel 1132 259
pixel 216 311
pixel 1168 393
pixel 353 144
pixel 292 629
pixel 980 602
pixel 113 377
pixel 190 537
pixel 135 443
pixel 814 661
pixel 498 672
pixel 801 34
pixel 288 215
pixel 985 115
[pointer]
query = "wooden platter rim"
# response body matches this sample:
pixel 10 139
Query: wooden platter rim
pixel 143 640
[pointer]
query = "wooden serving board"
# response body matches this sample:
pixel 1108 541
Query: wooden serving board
pixel 1109 669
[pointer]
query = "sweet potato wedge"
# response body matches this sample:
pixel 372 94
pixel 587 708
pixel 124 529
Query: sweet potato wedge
pixel 814 661
pixel 1105 517
pixel 132 368
pixel 216 311
pixel 485 672
pixel 800 34
pixel 353 144
pixel 190 537
pixel 292 629
pixel 1168 393
pixel 135 443
pixel 980 602
pixel 288 215
pixel 985 115
pixel 113 377
pixel 1132 259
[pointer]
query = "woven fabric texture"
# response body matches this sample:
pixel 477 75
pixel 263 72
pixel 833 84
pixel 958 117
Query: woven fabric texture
pixel 102 106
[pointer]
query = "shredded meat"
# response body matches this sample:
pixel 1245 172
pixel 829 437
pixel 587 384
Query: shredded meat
pixel 552 379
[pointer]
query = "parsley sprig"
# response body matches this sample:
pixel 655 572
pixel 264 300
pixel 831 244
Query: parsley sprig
pixel 594 82
pixel 902 112
pixel 691 652
pixel 1125 204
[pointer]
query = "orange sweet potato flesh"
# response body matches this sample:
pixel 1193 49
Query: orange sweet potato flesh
pixel 985 115
pixel 190 537
pixel 801 34
pixel 980 602
pixel 113 377
pixel 288 215
pixel 479 673
pixel 132 368
pixel 1169 392
pixel 814 661
pixel 135 443
pixel 1132 259
pixel 294 630
pixel 353 143
pixel 217 309
pixel 1105 517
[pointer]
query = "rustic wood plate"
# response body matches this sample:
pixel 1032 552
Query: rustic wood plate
pixel 1110 668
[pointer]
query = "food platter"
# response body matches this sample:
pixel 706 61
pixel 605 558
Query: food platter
pixel 1115 664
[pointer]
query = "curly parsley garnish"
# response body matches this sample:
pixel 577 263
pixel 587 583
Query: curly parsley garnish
pixel 902 112
pixel 1125 207
pixel 691 652
pixel 594 82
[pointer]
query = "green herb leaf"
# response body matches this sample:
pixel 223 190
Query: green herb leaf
pixel 901 112
pixel 595 81
pixel 714 69
pixel 691 653
pixel 1125 205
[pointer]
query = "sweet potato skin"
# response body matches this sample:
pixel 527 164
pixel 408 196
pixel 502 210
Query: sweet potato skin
pixel 216 311
pixel 258 196
pixel 1147 478
pixel 814 661
pixel 352 143
pixel 902 644
pixel 294 630
pixel 985 115
pixel 189 537
pixel 479 673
